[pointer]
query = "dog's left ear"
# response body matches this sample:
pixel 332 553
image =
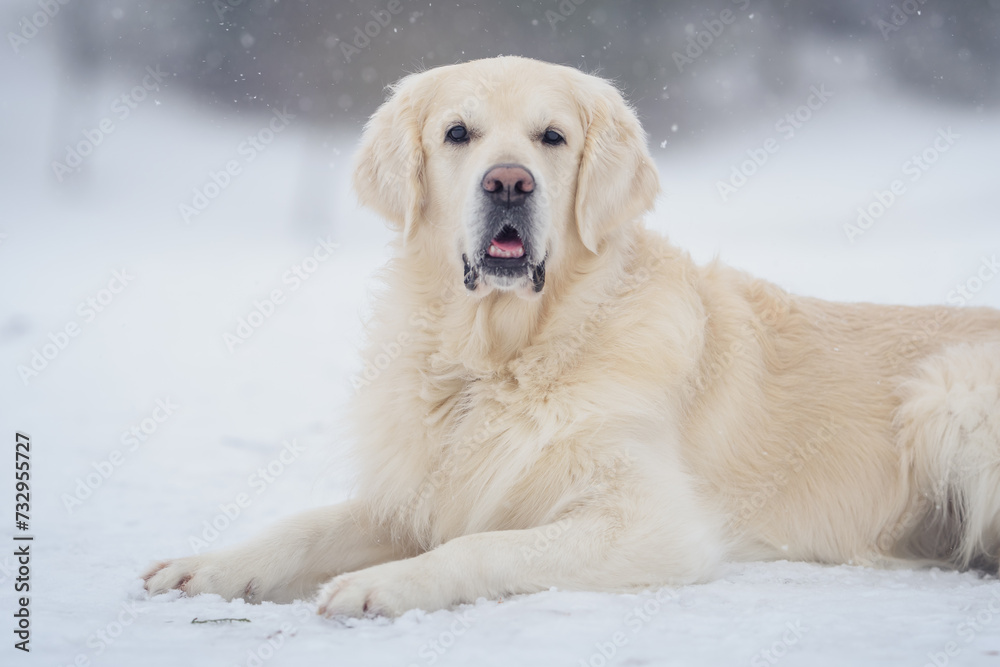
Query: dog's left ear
pixel 388 169
pixel 617 181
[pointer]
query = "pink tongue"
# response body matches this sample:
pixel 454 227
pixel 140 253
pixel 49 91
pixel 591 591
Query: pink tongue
pixel 508 246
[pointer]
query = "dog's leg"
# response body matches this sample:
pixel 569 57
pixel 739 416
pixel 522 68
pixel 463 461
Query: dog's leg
pixel 610 551
pixel 286 563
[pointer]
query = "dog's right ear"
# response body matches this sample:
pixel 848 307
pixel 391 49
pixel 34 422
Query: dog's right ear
pixel 388 170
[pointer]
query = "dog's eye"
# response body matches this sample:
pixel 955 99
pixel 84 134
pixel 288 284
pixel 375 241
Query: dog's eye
pixel 553 138
pixel 457 135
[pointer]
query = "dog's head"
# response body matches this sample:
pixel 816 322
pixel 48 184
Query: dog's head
pixel 502 165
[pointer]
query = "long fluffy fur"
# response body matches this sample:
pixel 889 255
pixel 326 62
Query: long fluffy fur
pixel 643 419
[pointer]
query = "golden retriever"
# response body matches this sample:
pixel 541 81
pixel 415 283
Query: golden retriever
pixel 556 396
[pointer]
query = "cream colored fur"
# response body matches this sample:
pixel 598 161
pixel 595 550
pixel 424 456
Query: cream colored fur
pixel 640 420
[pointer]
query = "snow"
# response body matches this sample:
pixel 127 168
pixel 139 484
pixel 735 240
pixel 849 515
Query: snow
pixel 162 338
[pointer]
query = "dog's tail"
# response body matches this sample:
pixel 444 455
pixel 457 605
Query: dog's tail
pixel 949 420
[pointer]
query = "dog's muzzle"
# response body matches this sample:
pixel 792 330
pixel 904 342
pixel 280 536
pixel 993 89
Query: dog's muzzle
pixel 506 252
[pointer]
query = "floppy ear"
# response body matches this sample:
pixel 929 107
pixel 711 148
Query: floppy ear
pixel 617 180
pixel 388 169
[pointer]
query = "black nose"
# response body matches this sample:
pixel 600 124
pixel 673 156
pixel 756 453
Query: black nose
pixel 508 184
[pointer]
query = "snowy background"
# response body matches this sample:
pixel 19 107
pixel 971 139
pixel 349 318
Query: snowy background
pixel 104 505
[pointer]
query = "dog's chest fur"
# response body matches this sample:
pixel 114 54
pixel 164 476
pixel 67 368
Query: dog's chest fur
pixel 504 450
pixel 513 441
pixel 488 441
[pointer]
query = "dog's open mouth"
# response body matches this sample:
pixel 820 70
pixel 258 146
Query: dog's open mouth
pixel 506 245
pixel 506 260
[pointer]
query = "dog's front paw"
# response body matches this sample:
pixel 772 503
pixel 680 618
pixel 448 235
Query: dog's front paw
pixel 210 573
pixel 383 590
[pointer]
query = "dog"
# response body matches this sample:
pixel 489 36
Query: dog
pixel 561 398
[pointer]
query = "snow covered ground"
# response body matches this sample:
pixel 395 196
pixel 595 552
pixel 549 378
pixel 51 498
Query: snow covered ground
pixel 150 354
